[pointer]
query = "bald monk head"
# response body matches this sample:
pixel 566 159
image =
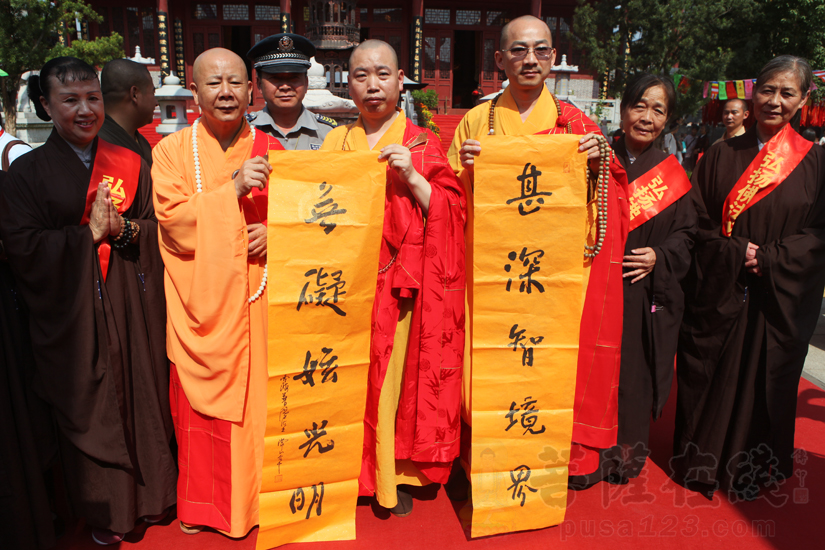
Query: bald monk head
pixel 221 88
pixel 526 53
pixel 128 93
pixel 375 81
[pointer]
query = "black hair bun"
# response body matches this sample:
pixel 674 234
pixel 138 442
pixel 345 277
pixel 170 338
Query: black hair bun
pixel 35 93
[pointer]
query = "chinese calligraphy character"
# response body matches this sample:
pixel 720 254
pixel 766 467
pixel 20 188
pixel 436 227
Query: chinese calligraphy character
pixel 321 297
pixel 532 265
pixel 327 372
pixel 645 196
pixel 519 477
pixel 529 190
pixel 529 416
pixel 296 503
pixel 313 436
pixel 518 341
pixel 281 442
pixel 325 209
pixel 284 408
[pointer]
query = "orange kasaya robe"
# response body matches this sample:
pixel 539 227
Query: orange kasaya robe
pixel 216 340
pixel 595 414
pixel 420 285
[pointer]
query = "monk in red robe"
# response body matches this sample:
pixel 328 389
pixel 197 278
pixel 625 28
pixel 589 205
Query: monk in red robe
pixel 527 107
pixel 411 424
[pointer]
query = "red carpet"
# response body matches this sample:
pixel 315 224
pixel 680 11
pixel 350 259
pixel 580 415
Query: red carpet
pixel 447 124
pixel 651 512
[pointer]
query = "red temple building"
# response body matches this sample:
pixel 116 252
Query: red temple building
pixel 448 44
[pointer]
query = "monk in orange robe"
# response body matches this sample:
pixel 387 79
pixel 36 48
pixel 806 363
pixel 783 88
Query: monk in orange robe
pixel 526 107
pixel 411 425
pixel 210 201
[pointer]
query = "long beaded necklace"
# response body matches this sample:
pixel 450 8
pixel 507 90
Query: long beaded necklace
pixel 605 154
pixel 199 188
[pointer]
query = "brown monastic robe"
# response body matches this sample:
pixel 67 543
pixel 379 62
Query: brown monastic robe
pixel 649 338
pixel 99 347
pixel 27 443
pixel 744 337
pixel 113 132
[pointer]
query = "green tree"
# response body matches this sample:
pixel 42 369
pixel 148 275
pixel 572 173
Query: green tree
pixel 698 39
pixel 795 27
pixel 28 32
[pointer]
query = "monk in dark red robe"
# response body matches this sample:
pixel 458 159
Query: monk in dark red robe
pixel 753 296
pixel 417 348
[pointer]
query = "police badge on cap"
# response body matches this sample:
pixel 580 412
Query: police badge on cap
pixel 282 53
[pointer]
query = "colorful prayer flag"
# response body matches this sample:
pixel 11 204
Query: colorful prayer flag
pixel 740 89
pixel 677 80
pixel 730 89
pixel 705 90
pixel 748 89
pixel 723 91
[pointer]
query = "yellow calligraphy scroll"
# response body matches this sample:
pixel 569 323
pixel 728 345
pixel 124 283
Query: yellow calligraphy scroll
pixel 325 218
pixel 528 244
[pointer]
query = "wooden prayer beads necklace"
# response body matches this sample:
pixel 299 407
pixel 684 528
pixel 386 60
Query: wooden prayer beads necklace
pixel 492 118
pixel 602 185
pixel 199 186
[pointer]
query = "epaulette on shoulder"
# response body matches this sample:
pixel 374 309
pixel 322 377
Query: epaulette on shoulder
pixel 326 120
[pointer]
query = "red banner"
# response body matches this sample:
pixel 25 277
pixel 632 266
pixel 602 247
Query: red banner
pixel 657 189
pixel 772 165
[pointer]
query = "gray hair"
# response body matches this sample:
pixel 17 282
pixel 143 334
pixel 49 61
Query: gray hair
pixel 787 64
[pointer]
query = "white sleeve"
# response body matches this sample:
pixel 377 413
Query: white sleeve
pixel 18 151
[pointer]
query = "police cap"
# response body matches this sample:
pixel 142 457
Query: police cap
pixel 282 53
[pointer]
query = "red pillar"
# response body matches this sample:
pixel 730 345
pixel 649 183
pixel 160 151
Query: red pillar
pixel 417 40
pixel 286 16
pixel 535 8
pixel 163 39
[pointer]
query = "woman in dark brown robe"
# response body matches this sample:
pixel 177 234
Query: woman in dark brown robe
pixel 27 444
pixel 657 257
pixel 98 338
pixel 753 296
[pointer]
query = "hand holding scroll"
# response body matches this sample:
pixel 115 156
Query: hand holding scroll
pixel 642 261
pixel 589 145
pixel 399 159
pixel 253 173
pixel 751 263
pixel 470 149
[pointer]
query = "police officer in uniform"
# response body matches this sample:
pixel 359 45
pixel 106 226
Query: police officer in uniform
pixel 281 62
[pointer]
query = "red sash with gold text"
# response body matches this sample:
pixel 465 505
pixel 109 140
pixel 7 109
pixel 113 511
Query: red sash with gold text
pixel 256 203
pixel 772 165
pixel 655 190
pixel 119 168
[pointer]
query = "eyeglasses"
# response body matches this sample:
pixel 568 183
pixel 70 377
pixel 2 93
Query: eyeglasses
pixel 520 52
